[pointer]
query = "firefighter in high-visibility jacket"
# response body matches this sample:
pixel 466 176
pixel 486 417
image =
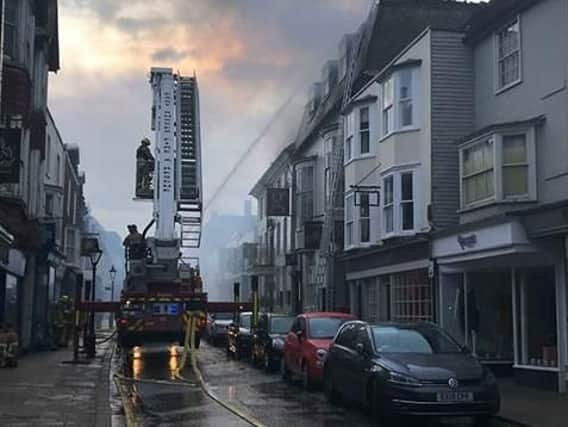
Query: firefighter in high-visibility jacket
pixel 8 346
pixel 61 321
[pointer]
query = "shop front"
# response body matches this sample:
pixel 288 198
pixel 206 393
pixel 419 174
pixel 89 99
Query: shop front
pixel 391 283
pixel 499 295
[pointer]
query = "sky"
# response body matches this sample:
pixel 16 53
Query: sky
pixel 250 56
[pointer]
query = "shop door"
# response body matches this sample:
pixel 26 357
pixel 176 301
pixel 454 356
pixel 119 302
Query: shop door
pixel 451 305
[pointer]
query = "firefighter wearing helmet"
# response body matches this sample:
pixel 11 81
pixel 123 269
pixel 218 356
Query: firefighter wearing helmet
pixel 145 164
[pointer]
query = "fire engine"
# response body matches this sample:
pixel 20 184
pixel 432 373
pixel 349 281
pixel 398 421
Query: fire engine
pixel 163 282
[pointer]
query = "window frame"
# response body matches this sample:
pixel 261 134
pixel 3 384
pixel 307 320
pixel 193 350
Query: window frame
pixel 364 131
pixel 12 51
pixel 395 124
pixel 497 59
pixel 350 220
pixel 498 193
pixel 366 218
pixel 302 192
pixel 388 108
pixel 397 203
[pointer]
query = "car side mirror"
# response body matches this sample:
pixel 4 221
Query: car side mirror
pixel 360 348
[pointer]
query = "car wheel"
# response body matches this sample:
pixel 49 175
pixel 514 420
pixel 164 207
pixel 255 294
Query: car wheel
pixel 307 383
pixel 284 370
pixel 329 388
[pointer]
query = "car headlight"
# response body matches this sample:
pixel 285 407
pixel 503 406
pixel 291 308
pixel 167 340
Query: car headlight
pixel 321 353
pixel 402 379
pixel 277 343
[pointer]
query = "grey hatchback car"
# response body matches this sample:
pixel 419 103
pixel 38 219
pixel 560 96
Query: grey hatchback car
pixel 408 369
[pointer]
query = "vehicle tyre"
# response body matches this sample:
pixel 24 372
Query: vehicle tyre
pixel 307 382
pixel 286 376
pixel 329 388
pixel 482 421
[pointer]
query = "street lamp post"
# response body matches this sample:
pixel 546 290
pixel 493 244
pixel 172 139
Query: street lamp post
pixel 90 248
pixel 112 273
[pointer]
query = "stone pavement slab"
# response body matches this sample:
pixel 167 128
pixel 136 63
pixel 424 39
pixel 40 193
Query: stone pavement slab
pixel 533 407
pixel 45 391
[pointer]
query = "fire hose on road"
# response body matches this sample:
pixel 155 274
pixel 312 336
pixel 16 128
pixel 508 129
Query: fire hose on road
pixel 189 349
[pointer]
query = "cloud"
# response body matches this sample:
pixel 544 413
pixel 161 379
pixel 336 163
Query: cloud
pixel 249 55
pixel 170 54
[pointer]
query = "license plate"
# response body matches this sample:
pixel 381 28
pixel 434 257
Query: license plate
pixel 454 396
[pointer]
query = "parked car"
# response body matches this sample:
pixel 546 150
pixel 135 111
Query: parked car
pixel 239 336
pixel 268 339
pixel 408 369
pixel 306 345
pixel 217 325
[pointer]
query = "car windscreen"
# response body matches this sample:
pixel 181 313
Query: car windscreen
pixel 280 325
pixel 423 340
pixel 325 327
pixel 223 316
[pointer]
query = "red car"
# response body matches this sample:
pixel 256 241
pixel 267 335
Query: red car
pixel 307 344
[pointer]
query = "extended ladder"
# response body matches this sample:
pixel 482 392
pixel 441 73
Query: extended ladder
pixel 189 163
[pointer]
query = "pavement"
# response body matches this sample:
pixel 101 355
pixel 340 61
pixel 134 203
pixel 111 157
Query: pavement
pixel 532 407
pixel 45 391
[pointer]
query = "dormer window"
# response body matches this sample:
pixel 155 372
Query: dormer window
pixel 329 77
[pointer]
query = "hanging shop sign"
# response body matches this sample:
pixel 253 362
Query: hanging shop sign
pixel 9 156
pixel 278 202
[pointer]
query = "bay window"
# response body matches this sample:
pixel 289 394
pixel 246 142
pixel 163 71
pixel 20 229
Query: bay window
pixel 478 173
pixel 387 105
pixel 398 203
pixel 398 101
pixel 364 136
pixel 508 45
pixel 388 203
pixel 349 131
pixel 364 218
pixel 405 97
pixel 515 165
pixel 305 192
pixel 349 220
pixel 11 28
pixel 406 201
pixel 498 167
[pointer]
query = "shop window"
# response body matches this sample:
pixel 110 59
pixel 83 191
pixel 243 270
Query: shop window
pixel 536 314
pixel 372 301
pixel 411 296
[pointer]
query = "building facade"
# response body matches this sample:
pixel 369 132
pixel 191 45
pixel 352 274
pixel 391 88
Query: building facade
pixel 502 272
pixel 30 51
pixel 276 277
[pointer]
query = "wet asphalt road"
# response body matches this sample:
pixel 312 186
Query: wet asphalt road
pixel 252 391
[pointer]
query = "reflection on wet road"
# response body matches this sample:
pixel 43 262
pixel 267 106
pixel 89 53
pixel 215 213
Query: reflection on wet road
pixel 254 392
